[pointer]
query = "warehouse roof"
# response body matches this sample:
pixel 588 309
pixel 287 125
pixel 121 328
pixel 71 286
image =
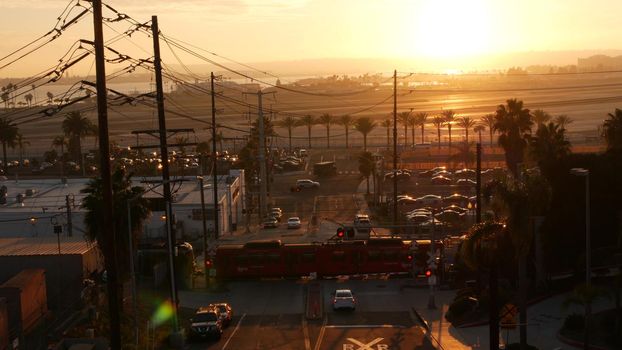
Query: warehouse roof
pixel 28 246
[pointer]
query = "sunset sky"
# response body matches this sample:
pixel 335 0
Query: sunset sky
pixel 454 31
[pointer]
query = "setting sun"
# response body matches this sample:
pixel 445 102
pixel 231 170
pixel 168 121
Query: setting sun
pixel 453 28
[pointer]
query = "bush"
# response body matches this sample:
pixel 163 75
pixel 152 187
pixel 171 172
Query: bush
pixel 574 322
pixel 459 308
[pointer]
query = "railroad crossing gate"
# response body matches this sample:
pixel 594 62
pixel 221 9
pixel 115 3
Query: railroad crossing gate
pixel 354 344
pixel 507 316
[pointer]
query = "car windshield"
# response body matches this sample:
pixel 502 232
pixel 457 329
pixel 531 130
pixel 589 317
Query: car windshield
pixel 342 294
pixel 205 317
pixel 222 308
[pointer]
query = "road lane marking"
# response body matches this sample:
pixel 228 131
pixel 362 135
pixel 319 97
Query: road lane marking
pixel 363 346
pixel 366 326
pixel 305 331
pixel 233 333
pixel 321 335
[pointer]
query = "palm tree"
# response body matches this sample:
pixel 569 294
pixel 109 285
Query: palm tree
pixel 76 126
pixel 181 141
pixel 412 122
pixel 289 123
pixel 28 97
pixel 562 120
pixel 466 123
pixel 8 137
pixel 367 166
pixel 479 129
pixel 449 116
pixel 364 125
pixel 21 142
pixel 404 119
pixel 612 130
pixel 347 121
pixel 420 119
pixel 60 141
pixel 513 122
pixel 489 121
pixel 308 121
pixel 539 116
pixel 518 201
pixel 327 119
pixel 548 147
pixel 439 122
pixel 465 154
pixel 203 150
pixel 5 97
pixel 387 123
pixel 50 97
pixel 114 248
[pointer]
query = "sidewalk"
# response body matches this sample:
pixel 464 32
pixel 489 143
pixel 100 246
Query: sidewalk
pixel 544 321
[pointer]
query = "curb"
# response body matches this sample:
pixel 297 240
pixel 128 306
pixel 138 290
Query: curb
pixel 421 320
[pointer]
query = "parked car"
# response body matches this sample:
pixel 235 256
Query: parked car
pixel 465 173
pixel 440 180
pixel 293 222
pixel 456 198
pixel 444 173
pixel 306 183
pixel 206 323
pixel 429 200
pixel 225 312
pixel 466 182
pixel 270 223
pixel 343 299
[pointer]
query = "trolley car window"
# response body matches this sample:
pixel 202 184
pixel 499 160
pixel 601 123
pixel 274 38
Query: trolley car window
pixel 241 259
pixel 273 258
pixel 373 255
pixel 338 256
pixel 390 256
pixel 307 258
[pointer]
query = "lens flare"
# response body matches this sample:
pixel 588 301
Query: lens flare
pixel 163 313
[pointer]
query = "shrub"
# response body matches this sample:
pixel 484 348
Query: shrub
pixel 574 322
pixel 459 308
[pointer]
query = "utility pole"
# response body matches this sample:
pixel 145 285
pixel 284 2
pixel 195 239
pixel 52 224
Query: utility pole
pixel 395 147
pixel 104 149
pixel 204 219
pixel 214 162
pixel 478 185
pixel 263 180
pixel 176 337
pixel 68 204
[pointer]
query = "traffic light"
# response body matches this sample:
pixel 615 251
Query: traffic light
pixel 341 232
pixel 428 273
pixel 208 263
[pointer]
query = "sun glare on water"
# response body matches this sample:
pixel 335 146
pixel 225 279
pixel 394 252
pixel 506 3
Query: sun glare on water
pixel 450 28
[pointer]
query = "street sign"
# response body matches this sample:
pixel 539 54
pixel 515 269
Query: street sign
pixel 507 316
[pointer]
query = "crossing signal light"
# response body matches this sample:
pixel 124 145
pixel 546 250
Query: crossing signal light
pixel 428 273
pixel 340 232
pixel 409 257
pixel 208 263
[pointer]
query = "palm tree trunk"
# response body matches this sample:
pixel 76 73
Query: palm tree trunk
pixel 309 135
pixel 491 138
pixel 365 142
pixel 367 178
pixel 449 130
pixel 466 131
pixel 412 131
pixel 405 135
pixel 347 137
pixel 438 130
pixel 422 141
pixel 522 300
pixel 388 139
pixel 480 137
pixel 327 136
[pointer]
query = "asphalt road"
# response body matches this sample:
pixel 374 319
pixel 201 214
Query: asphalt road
pixel 270 315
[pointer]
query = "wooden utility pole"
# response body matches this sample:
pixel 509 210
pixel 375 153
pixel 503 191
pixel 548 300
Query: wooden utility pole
pixel 478 185
pixel 214 161
pixel 110 242
pixel 394 147
pixel 170 233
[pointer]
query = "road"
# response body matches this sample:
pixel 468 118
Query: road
pixel 270 315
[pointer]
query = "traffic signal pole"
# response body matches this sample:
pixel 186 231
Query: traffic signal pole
pixel 395 147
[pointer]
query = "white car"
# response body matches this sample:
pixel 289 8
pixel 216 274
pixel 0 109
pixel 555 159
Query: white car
pixel 429 200
pixel 293 222
pixel 306 183
pixel 343 299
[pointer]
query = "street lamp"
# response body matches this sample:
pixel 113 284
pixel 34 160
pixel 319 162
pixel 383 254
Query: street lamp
pixel 588 268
